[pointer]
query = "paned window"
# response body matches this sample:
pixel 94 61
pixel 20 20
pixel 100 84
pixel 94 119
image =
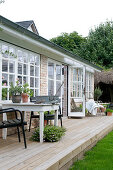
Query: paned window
pixel 20 64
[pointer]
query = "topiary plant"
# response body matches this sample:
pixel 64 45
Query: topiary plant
pixel 97 93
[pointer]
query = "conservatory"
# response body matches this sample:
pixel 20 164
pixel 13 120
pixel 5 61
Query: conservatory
pixel 46 67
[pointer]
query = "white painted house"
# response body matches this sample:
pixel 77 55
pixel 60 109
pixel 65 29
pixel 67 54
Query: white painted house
pixel 45 66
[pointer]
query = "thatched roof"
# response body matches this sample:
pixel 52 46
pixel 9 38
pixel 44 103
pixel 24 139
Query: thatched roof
pixel 104 77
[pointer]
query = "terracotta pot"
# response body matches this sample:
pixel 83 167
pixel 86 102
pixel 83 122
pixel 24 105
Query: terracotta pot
pixel 16 98
pixel 45 122
pixel 109 113
pixel 24 97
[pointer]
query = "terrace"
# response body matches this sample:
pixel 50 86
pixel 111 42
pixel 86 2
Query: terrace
pixel 81 135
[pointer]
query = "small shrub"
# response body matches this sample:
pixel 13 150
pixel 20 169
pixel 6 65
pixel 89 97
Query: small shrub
pixel 51 133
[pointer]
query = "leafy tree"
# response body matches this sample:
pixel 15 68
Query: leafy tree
pixel 70 41
pixel 98 47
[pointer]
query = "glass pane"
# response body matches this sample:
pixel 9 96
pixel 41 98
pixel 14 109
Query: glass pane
pixel 20 57
pixel 11 66
pixel 25 57
pixel 37 60
pixel 11 52
pixel 4 79
pixel 58 72
pixel 36 71
pixel 19 68
pixel 37 92
pixel 51 70
pixel 4 93
pixel 76 107
pixel 32 59
pixel 32 92
pixel 5 51
pixel 25 80
pixel 58 88
pixel 50 87
pixel 4 65
pixel 20 79
pixel 25 69
pixel 31 70
pixel 11 79
pixel 36 82
pixel 31 82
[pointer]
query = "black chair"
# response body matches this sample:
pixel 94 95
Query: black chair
pixel 46 117
pixel 17 122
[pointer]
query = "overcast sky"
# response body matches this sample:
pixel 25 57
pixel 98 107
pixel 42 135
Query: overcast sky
pixel 52 17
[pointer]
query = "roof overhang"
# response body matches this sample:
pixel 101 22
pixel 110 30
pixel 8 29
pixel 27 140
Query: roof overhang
pixel 17 35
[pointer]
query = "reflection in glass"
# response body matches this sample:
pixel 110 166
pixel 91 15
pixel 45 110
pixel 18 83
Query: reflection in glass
pixel 36 82
pixel 5 51
pixel 25 80
pixel 25 57
pixel 36 92
pixel 25 69
pixel 4 79
pixel 58 88
pixel 50 70
pixel 12 52
pixel 50 87
pixel 19 68
pixel 4 65
pixel 31 82
pixel 32 59
pixel 31 70
pixel 58 72
pixel 11 79
pixel 4 93
pixel 36 60
pixel 20 57
pixel 20 79
pixel 11 66
pixel 76 107
pixel 36 71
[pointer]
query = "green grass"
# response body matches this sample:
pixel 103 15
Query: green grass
pixel 98 158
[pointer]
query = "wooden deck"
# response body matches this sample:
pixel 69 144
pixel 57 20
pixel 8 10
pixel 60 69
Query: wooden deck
pixel 81 135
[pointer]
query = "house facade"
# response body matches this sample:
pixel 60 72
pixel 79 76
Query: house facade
pixel 46 67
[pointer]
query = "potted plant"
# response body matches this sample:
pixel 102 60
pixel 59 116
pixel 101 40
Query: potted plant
pixel 97 93
pixel 25 92
pixel 15 92
pixel 109 112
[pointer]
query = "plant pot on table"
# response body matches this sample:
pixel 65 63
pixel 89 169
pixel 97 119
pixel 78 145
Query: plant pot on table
pixel 16 98
pixel 25 97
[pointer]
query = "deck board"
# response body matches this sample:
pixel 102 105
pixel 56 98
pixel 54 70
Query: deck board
pixel 80 134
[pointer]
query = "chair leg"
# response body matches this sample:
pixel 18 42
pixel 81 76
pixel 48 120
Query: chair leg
pixel 24 136
pixel 30 124
pixel 18 134
pixel 61 121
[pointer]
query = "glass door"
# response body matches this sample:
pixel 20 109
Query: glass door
pixel 55 79
pixel 76 92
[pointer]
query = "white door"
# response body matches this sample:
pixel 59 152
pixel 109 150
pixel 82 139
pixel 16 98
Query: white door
pixel 76 86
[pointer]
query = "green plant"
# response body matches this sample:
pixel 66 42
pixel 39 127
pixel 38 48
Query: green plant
pixel 109 110
pixel 25 89
pixel 97 93
pixel 15 90
pixel 4 93
pixel 51 133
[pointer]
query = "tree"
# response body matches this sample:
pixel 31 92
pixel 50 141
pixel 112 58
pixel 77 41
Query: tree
pixel 99 45
pixel 70 41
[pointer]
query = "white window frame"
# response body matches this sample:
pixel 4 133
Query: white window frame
pixel 16 48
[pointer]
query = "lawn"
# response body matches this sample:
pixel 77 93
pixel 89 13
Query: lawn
pixel 98 158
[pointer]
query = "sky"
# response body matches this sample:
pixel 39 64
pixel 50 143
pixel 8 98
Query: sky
pixel 53 17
